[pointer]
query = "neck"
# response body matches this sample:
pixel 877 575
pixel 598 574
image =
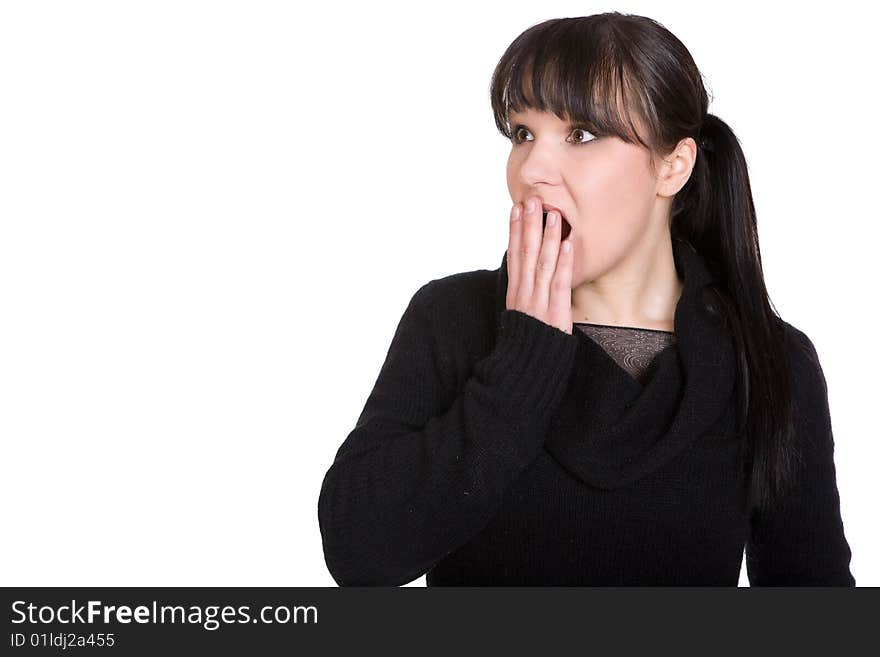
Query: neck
pixel 641 290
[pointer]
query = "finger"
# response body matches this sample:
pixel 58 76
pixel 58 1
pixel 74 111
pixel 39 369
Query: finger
pixel 513 257
pixel 559 308
pixel 547 257
pixel 530 244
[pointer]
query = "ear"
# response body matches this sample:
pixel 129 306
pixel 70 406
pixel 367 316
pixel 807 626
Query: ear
pixel 676 168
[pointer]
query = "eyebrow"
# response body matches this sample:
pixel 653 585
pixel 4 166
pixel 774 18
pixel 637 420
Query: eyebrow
pixel 519 123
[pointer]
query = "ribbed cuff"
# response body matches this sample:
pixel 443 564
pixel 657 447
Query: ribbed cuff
pixel 530 364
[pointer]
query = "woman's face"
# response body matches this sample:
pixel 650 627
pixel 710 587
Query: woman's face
pixel 605 187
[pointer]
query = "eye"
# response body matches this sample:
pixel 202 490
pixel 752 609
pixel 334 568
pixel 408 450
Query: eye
pixel 585 131
pixel 516 139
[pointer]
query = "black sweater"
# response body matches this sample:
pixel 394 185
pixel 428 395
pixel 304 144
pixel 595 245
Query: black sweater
pixel 495 449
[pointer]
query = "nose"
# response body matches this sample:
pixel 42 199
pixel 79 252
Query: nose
pixel 539 164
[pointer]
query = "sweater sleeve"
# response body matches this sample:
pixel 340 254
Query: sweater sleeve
pixel 800 541
pixel 427 464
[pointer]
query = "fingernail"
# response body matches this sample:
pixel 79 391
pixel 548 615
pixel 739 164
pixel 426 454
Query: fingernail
pixel 530 205
pixel 551 218
pixel 515 213
pixel 566 246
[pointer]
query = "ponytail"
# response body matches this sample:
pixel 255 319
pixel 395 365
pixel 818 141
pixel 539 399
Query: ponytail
pixel 716 213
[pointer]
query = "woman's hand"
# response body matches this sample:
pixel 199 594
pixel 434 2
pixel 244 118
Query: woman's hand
pixel 539 266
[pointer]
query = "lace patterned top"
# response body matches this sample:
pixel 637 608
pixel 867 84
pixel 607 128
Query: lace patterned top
pixel 632 348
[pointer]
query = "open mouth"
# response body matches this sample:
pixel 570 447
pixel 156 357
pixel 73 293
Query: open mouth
pixel 566 227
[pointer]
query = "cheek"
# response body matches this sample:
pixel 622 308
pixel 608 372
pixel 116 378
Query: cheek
pixel 615 203
pixel 617 195
pixel 512 168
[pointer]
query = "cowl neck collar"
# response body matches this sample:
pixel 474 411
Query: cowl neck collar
pixel 611 430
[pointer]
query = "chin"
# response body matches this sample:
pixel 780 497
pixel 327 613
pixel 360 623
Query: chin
pixel 589 266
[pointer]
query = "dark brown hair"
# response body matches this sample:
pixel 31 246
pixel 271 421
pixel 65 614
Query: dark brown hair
pixel 599 72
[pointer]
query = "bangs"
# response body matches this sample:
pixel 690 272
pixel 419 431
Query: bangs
pixel 574 71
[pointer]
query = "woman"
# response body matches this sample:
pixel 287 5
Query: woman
pixel 617 403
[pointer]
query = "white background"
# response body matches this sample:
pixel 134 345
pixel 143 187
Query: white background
pixel 214 214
